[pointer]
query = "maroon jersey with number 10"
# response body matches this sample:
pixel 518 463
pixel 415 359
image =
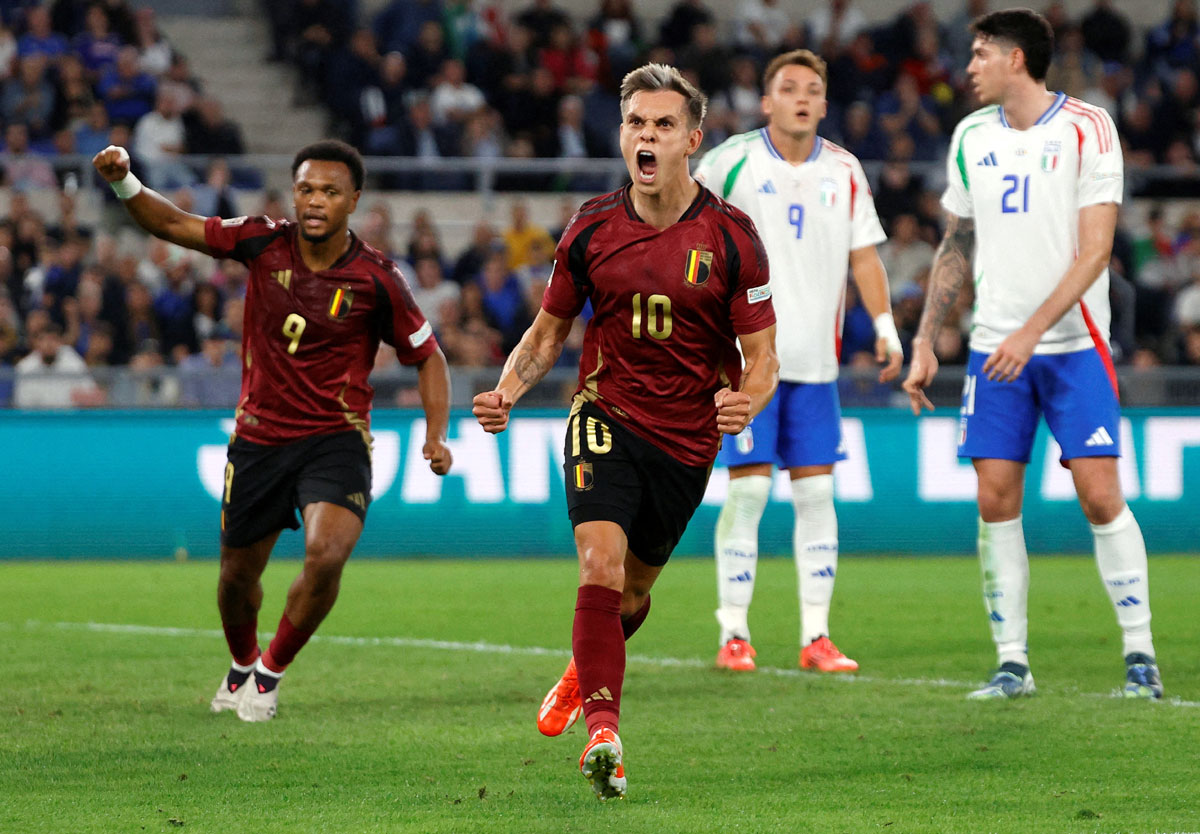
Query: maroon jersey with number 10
pixel 667 306
pixel 309 338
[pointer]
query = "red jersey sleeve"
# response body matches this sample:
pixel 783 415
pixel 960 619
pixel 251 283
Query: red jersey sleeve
pixel 750 307
pixel 570 286
pixel 401 322
pixel 240 238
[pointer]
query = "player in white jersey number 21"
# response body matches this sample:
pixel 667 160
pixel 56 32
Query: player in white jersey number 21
pixel 811 204
pixel 1034 183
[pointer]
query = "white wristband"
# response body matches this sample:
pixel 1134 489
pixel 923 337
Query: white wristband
pixel 885 328
pixel 126 187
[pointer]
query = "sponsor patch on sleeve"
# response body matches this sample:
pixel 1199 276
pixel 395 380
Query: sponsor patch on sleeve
pixel 757 294
pixel 421 336
pixel 234 221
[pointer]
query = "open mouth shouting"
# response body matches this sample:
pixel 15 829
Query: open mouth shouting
pixel 647 167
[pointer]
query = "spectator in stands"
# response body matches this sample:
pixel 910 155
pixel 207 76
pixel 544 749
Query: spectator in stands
pixel 615 33
pixel 904 110
pixel 53 375
pixel 128 92
pixel 540 19
pixel 206 309
pixel 212 378
pixel 97 45
pixel 159 140
pixel 831 27
pixel 861 136
pixel 207 131
pixel 470 260
pixel 40 38
pixel 740 101
pixel 483 135
pixel 215 196
pixel 1106 32
pixel 146 386
pixel 905 255
pixel 352 70
pixel 959 37
pixel 29 98
pixel 100 346
pixel 320 28
pixel 503 300
pixel 173 306
pixel 1074 69
pixel 91 134
pixel 1174 43
pixel 707 58
pixel 74 95
pixel 154 51
pixel 572 64
pixel 381 123
pixel 8 52
pixel 454 99
pixel 899 189
pixel 432 290
pixel 759 27
pixel 468 22
pixel 140 325
pixel 425 59
pixel 521 234
pixel 859 72
pixel 675 31
pixel 533 113
pixel 397 26
pixel 23 169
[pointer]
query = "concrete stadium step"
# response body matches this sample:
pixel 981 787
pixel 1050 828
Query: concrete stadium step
pixel 228 55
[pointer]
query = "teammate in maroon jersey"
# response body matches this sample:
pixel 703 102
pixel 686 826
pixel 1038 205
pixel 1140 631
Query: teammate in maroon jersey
pixel 675 275
pixel 318 302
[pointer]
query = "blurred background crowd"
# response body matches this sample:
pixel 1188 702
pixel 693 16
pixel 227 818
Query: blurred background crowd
pixel 429 79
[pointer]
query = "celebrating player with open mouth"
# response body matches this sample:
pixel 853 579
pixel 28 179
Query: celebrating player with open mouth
pixel 675 275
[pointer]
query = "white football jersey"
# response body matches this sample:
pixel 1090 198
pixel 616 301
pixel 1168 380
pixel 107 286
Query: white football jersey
pixel 1024 188
pixel 810 217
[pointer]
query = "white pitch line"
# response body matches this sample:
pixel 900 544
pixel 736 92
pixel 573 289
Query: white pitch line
pixel 482 647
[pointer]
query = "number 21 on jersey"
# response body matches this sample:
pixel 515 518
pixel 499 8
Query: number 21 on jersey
pixel 1016 198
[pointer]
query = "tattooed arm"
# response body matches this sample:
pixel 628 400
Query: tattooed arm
pixel 951 270
pixel 529 362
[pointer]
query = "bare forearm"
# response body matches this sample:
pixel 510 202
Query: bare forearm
pixel 871 279
pixel 529 362
pixel 162 218
pixel 433 384
pixel 760 377
pixel 1075 282
pixel 951 271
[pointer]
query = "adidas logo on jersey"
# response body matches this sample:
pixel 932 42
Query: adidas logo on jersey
pixel 990 159
pixel 1100 437
pixel 767 187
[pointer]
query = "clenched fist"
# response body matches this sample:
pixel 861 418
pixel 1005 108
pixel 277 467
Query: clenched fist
pixel 112 163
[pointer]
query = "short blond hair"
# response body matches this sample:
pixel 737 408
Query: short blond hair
pixel 799 58
pixel 653 77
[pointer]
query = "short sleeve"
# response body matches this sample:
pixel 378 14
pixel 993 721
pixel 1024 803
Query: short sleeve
pixel 239 238
pixel 1101 166
pixel 750 307
pixel 569 287
pixel 402 324
pixel 714 169
pixel 865 229
pixel 956 199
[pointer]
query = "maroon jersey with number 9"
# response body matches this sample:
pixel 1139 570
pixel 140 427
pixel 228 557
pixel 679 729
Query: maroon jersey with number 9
pixel 667 307
pixel 309 338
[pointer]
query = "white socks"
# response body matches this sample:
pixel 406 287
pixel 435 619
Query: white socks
pixel 1005 566
pixel 1121 558
pixel 815 543
pixel 737 552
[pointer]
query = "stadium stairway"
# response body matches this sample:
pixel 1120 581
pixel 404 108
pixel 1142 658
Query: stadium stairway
pixel 228 54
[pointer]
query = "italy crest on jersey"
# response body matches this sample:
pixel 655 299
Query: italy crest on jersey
pixel 828 192
pixel 339 303
pixel 698 266
pixel 1051 151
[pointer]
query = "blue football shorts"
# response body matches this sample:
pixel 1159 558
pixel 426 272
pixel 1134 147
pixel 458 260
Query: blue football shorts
pixel 1077 393
pixel 801 426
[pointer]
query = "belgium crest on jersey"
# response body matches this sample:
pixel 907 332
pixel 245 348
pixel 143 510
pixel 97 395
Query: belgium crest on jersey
pixel 698 266
pixel 340 301
pixel 1051 151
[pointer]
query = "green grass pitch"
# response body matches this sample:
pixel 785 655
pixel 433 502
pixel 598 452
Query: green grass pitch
pixel 414 709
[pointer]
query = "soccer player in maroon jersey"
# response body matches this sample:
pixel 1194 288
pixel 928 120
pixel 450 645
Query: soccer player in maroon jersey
pixel 318 302
pixel 675 275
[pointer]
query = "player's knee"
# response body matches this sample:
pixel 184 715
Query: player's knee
pixel 324 557
pixel 1101 506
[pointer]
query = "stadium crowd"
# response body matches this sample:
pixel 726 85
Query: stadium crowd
pixel 430 78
